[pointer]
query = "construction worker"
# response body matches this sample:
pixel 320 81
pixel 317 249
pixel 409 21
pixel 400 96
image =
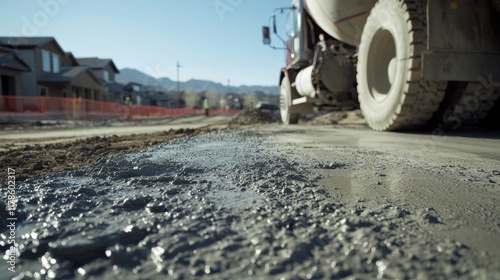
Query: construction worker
pixel 206 106
pixel 128 102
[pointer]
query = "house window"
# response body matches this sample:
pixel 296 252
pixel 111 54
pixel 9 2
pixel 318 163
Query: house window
pixel 44 91
pixel 45 61
pixel 55 63
pixel 105 75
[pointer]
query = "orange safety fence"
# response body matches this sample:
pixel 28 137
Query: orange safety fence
pixel 25 108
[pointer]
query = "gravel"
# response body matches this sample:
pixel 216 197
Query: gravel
pixel 222 205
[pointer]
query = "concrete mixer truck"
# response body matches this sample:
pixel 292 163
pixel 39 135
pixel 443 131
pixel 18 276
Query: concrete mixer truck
pixel 405 63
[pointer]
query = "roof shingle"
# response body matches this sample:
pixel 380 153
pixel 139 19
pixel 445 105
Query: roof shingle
pixel 97 63
pixel 25 41
pixel 66 75
pixel 9 60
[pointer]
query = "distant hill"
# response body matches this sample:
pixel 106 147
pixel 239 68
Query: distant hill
pixel 133 75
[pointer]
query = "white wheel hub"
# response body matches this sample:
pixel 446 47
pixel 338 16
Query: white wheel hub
pixel 391 70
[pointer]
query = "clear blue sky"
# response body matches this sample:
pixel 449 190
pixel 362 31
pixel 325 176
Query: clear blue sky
pixel 212 39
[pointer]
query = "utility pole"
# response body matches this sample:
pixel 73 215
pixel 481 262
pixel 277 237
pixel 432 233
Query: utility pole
pixel 178 88
pixel 228 83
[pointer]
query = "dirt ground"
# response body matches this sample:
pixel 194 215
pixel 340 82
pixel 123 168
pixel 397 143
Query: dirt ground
pixel 18 135
pixel 36 159
pixel 42 148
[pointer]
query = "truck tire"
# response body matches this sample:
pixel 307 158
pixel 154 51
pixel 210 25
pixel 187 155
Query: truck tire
pixel 391 93
pixel 492 119
pixel 285 100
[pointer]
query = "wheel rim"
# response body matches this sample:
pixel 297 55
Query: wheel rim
pixel 382 64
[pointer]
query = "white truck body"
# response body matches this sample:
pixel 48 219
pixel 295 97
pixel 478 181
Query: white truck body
pixel 343 20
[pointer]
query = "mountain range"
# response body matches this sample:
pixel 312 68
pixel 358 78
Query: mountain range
pixel 133 75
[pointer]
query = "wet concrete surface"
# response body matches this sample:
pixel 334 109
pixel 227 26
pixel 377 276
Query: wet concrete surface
pixel 271 202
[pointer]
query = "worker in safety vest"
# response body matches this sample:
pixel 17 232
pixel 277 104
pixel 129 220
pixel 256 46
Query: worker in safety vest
pixel 206 106
pixel 128 102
